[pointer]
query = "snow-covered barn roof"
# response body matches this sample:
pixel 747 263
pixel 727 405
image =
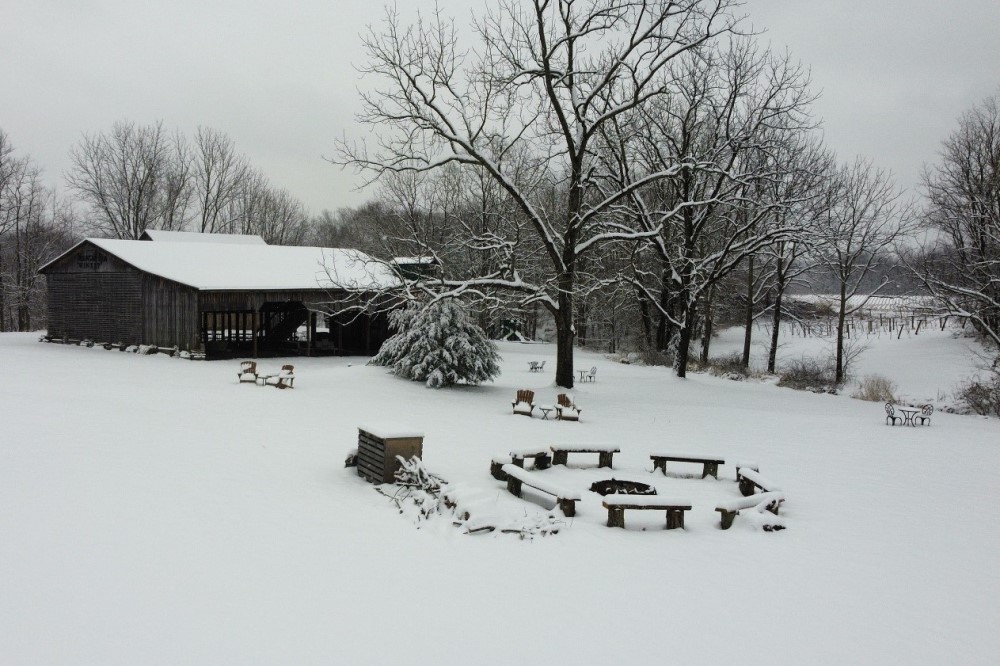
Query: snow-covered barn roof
pixel 192 237
pixel 223 266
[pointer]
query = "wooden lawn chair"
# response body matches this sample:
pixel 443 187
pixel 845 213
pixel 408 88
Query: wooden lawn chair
pixel 283 379
pixel 566 409
pixel 248 372
pixel 524 402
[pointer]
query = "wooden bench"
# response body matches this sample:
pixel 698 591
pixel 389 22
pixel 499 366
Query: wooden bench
pixel 605 454
pixel 541 457
pixel 710 465
pixel 517 477
pixel 762 502
pixel 616 505
pixel 750 481
pixel 496 467
pixel 524 402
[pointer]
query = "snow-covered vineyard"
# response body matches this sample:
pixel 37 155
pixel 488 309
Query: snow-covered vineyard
pixel 153 514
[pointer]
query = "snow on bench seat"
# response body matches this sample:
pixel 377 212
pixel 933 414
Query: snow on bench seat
pixel 710 463
pixel 516 476
pixel 605 453
pixel 541 457
pixel 762 499
pixel 675 508
pixel 533 480
pixel 749 480
pixel 528 453
pixel 645 501
pixel 587 448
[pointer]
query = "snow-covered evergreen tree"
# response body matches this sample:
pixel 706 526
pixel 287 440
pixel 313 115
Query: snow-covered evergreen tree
pixel 438 345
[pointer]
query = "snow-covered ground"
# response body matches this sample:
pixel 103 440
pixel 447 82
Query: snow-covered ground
pixel 153 510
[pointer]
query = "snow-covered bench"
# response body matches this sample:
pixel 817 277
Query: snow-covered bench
pixel 616 505
pixel 516 477
pixel 496 467
pixel 750 481
pixel 762 502
pixel 710 464
pixel 541 457
pixel 560 454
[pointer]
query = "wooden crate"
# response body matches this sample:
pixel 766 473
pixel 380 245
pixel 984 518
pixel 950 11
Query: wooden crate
pixel 378 448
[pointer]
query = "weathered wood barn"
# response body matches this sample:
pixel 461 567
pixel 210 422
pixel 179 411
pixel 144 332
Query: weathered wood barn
pixel 225 297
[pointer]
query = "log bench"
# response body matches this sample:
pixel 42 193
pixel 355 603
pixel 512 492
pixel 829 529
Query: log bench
pixel 517 477
pixel 710 465
pixel 605 454
pixel 496 467
pixel 750 481
pixel 541 457
pixel 616 505
pixel 762 502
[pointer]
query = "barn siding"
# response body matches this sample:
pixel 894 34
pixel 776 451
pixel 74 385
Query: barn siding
pixel 101 306
pixel 170 314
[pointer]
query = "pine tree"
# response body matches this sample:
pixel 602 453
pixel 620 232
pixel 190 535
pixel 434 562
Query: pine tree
pixel 438 345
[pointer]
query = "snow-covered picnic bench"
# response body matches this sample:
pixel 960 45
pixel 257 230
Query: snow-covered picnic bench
pixel 751 480
pixel 710 464
pixel 541 457
pixel 605 453
pixel 761 502
pixel 616 505
pixel 516 477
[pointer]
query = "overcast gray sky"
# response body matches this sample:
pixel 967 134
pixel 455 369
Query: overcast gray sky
pixel 278 77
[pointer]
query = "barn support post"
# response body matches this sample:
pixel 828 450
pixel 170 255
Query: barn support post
pixel 256 327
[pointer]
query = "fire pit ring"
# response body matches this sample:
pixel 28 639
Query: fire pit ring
pixel 618 487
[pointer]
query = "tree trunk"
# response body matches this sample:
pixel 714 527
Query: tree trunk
pixel 564 350
pixel 684 344
pixel 2 318
pixel 772 353
pixel 748 319
pixel 841 316
pixel 706 334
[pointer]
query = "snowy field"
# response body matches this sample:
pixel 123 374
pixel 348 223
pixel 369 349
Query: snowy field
pixel 155 511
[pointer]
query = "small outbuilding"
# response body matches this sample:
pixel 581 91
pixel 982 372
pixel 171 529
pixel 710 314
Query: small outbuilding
pixel 225 298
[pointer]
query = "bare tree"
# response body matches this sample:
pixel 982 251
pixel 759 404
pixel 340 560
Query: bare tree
pixel 275 215
pixel 734 112
pixel 961 265
pixel 218 173
pixel 132 178
pixel 862 218
pixel 526 107
pixel 31 231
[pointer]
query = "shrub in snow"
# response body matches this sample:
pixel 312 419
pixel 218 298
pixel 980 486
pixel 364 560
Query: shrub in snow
pixel 875 388
pixel 438 345
pixel 982 396
pixel 808 375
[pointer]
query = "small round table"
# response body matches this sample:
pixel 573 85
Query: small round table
pixel 545 409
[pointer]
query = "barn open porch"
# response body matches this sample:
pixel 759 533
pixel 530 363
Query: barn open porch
pixel 289 328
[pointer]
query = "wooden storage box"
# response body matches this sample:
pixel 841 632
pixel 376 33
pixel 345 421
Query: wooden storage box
pixel 378 448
